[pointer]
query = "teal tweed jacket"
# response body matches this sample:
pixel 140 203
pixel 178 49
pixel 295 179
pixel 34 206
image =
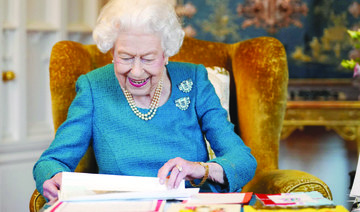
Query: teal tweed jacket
pixel 126 145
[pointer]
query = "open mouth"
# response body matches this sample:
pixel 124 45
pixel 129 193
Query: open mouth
pixel 138 83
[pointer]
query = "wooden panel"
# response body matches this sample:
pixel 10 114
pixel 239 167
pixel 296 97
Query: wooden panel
pixel 28 30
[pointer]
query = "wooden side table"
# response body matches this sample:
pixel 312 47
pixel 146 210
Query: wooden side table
pixel 341 116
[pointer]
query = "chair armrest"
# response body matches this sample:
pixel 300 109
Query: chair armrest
pixel 37 201
pixel 286 181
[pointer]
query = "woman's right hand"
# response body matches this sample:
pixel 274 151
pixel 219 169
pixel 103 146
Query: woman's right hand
pixel 51 188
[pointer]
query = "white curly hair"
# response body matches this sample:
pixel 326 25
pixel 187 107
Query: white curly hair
pixel 153 16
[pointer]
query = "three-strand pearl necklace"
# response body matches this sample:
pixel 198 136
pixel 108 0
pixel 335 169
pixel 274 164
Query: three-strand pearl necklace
pixel 153 105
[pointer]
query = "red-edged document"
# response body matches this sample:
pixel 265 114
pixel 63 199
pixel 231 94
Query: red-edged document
pixel 266 199
pixel 312 198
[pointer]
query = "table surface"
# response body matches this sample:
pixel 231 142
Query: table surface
pixel 257 206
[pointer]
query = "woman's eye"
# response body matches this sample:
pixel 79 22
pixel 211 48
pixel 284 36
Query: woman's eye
pixel 126 59
pixel 145 60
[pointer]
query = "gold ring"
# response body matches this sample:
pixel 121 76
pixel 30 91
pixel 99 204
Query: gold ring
pixel 179 168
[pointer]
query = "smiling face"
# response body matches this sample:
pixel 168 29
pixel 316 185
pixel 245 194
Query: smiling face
pixel 139 62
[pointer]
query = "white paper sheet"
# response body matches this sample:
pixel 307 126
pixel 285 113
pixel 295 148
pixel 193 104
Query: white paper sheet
pixel 220 198
pixel 83 187
pixel 355 189
pixel 141 195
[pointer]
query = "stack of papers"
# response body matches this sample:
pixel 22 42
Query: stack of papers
pixel 83 186
pixel 100 192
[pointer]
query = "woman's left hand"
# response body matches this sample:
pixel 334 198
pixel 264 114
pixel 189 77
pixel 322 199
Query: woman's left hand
pixel 179 170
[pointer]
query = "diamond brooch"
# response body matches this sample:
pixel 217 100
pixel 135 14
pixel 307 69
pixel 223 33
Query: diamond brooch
pixel 186 85
pixel 183 103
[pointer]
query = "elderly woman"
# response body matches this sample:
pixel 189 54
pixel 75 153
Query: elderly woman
pixel 144 115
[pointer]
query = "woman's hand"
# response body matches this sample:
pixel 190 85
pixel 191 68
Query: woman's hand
pixel 51 188
pixel 180 170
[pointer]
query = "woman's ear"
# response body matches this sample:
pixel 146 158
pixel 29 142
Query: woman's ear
pixel 166 59
pixel 112 54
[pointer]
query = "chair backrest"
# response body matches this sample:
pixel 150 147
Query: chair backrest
pixel 258 87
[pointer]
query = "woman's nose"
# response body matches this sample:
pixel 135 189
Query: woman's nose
pixel 137 69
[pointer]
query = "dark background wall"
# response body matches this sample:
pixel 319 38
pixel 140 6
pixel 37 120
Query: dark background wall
pixel 323 15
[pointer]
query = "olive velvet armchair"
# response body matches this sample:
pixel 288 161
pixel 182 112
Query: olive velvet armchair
pixel 258 92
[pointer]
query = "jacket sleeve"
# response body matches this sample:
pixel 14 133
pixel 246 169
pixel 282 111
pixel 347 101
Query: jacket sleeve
pixel 231 152
pixel 71 140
